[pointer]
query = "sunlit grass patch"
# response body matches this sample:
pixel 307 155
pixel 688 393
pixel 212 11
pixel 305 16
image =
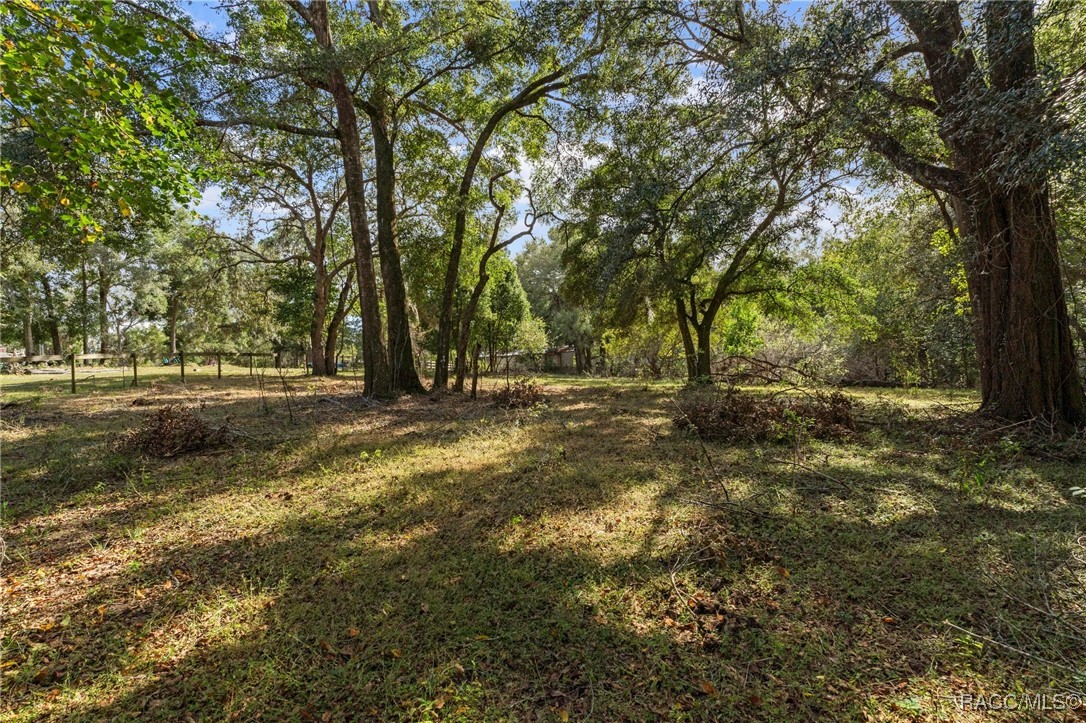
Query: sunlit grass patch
pixel 455 561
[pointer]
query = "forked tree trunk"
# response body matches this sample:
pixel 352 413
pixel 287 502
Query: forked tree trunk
pixel 378 380
pixel 401 355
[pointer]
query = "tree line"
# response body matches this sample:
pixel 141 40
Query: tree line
pixel 890 190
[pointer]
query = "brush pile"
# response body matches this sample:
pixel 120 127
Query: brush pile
pixel 521 394
pixel 169 431
pixel 731 415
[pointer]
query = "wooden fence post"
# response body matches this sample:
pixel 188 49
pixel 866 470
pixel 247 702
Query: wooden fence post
pixel 73 372
pixel 182 365
pixel 250 364
pixel 135 370
pixel 218 363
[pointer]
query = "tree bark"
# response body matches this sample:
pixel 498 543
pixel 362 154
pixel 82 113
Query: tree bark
pixel 1021 327
pixel 689 352
pixel 705 358
pixel 377 376
pixel 466 317
pixel 51 314
pixel 104 286
pixel 331 341
pixel 28 330
pixel 171 322
pixel 401 354
pixel 320 312
pixel 84 304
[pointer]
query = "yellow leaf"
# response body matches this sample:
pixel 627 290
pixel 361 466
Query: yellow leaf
pixel 563 715
pixel 21 186
pixel 396 652
pixel 64 202
pixel 126 210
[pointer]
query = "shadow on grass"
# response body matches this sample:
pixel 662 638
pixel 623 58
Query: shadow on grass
pixel 475 587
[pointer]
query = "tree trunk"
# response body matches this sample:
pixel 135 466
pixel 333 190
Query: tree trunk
pixel 704 366
pixel 1021 327
pixel 51 314
pixel 320 312
pixel 28 330
pixel 171 322
pixel 689 353
pixel 84 305
pixel 103 311
pixel 378 380
pixel 334 325
pixel 466 317
pixel 401 355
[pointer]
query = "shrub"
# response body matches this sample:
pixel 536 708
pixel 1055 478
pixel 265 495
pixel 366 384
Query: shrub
pixel 521 394
pixel 733 416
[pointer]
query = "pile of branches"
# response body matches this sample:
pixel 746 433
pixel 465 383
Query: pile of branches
pixel 731 415
pixel 15 368
pixel 521 394
pixel 174 429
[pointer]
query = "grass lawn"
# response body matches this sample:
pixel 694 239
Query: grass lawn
pixel 448 560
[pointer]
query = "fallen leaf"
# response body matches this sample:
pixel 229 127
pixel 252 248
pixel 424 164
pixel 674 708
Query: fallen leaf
pixel 563 715
pixel 353 632
pixel 439 703
pixel 396 652
pixel 708 688
pixel 783 571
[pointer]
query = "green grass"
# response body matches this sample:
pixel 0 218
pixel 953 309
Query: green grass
pixel 449 560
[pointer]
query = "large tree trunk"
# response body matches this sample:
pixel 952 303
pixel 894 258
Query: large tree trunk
pixel 51 314
pixel 1001 198
pixel 1021 328
pixel 400 352
pixel 378 380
